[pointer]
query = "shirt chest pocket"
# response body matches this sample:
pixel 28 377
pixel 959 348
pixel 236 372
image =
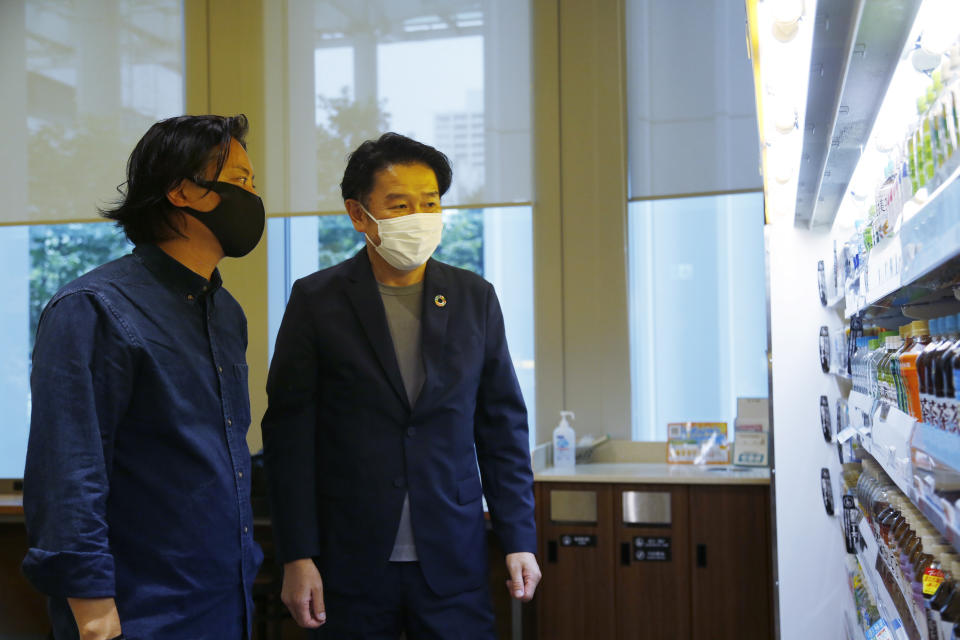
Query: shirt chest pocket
pixel 240 396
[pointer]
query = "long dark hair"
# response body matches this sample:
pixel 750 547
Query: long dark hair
pixel 171 150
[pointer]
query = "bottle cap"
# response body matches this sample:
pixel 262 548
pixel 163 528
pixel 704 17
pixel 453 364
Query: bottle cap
pixel 920 328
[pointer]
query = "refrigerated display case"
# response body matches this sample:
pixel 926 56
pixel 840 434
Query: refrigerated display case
pixel 857 108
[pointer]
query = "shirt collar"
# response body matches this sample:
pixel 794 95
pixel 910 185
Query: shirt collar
pixel 190 285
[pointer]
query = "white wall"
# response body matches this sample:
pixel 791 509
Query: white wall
pixel 810 554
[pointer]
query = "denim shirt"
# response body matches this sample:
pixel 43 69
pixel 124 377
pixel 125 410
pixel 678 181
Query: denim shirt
pixel 137 479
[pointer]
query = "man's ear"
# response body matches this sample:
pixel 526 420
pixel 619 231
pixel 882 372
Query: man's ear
pixel 177 197
pixel 357 216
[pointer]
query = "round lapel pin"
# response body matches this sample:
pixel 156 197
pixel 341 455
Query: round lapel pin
pixel 440 301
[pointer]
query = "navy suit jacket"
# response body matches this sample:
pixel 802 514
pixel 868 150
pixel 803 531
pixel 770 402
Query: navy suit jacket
pixel 343 445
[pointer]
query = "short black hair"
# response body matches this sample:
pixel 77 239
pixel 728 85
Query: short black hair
pixel 390 149
pixel 171 150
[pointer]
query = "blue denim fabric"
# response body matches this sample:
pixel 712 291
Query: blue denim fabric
pixel 137 480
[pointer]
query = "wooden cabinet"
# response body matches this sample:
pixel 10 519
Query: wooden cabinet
pixel 731 582
pixel 23 611
pixel 575 599
pixel 651 562
pixel 653 594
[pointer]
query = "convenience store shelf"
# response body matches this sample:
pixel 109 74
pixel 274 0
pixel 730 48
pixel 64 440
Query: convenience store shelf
pixel 933 510
pixel 897 268
pixel 904 617
pixel 856 47
pixel 939 445
pixel 931 237
pixel 894 442
pixel 936 460
pixel 886 438
pixel 891 604
pixel 840 374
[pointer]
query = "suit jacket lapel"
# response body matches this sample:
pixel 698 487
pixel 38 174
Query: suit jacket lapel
pixel 437 299
pixel 365 297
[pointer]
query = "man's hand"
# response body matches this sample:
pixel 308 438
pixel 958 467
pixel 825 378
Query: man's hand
pixel 303 593
pixel 97 618
pixel 524 575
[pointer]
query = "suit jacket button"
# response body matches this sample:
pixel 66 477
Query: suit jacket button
pixel 411 431
pixel 399 483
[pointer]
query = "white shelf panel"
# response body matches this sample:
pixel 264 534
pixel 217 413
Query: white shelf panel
pixel 935 448
pixel 932 236
pixel 889 444
pixel 884 270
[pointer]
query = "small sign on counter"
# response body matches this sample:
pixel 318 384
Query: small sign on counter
pixel 750 448
pixel 697 443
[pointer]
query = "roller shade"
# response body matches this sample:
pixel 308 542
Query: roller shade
pixel 82 82
pixel 690 101
pixel 349 69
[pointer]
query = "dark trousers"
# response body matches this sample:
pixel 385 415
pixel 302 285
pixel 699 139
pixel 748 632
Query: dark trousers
pixel 403 603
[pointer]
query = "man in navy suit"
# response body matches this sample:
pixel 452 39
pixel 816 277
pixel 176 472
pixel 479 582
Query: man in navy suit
pixel 391 384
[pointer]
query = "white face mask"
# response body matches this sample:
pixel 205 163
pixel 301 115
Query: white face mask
pixel 406 242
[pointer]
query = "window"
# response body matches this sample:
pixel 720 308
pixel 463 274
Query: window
pixel 698 320
pixel 696 274
pixel 37 260
pixel 80 88
pixel 454 74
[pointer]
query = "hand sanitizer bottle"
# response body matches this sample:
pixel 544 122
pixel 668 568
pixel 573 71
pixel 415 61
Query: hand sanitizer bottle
pixel 564 443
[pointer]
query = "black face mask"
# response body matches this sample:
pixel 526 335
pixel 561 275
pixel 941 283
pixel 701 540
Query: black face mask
pixel 237 222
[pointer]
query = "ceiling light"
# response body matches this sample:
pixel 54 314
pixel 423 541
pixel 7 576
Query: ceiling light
pixel 786 19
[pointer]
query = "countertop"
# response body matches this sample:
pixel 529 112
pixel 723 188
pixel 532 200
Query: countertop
pixel 11 504
pixel 656 473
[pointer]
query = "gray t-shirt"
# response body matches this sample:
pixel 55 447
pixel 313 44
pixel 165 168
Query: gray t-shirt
pixel 403 306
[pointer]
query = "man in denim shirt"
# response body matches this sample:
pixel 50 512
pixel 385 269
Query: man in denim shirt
pixel 137 480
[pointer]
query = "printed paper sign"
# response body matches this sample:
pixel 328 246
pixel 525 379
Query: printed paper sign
pixel 697 443
pixel 750 448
